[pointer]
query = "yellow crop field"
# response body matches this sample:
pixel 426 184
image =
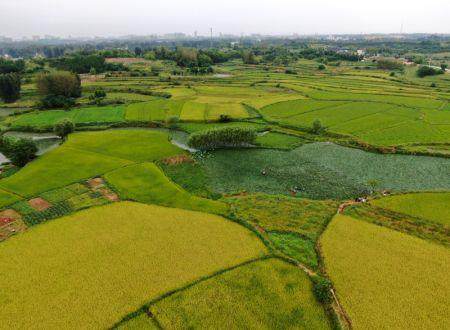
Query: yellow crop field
pixel 88 270
pixel 386 279
pixel 268 294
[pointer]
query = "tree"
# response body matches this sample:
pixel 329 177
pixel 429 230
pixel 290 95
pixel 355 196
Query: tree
pixel 248 57
pixel 317 127
pixel 138 51
pixel 61 83
pixel 385 64
pixel 64 128
pixel 444 66
pixel 19 151
pixel 9 87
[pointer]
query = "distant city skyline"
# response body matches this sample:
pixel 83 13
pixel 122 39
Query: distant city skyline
pixel 112 18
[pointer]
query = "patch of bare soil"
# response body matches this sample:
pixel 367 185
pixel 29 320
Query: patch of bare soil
pixel 96 183
pixel 39 204
pixel 109 194
pixel 178 159
pixel 89 78
pixel 10 224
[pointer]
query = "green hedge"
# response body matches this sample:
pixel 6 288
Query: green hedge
pixel 225 137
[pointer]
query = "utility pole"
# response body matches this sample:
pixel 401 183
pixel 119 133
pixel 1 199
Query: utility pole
pixel 210 40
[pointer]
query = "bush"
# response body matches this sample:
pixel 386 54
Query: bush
pixel 322 289
pixel 64 128
pixel 424 71
pixel 317 127
pixel 172 122
pixel 19 151
pixel 222 138
pixel 58 101
pixel 290 71
pixel 321 67
pixel 98 94
pixel 224 118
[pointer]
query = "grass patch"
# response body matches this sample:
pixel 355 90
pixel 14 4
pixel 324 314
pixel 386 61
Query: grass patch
pixel 307 218
pixel 279 140
pixel 269 294
pixel 7 198
pixel 296 247
pixel 114 256
pixel 147 183
pixel 190 176
pixel 384 277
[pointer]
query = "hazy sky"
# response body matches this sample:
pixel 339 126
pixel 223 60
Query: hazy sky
pixel 144 17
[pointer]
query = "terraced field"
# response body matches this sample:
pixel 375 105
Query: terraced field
pixel 124 227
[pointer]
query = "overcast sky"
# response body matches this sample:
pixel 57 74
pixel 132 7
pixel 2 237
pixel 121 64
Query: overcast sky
pixel 143 17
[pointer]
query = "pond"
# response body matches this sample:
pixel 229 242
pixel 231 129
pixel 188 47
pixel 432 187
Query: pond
pixel 44 141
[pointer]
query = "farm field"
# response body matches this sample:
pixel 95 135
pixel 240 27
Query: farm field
pixel 80 116
pixel 319 200
pixel 323 171
pixel 146 183
pixel 430 206
pixel 266 294
pixel 364 260
pixel 85 155
pixel 94 245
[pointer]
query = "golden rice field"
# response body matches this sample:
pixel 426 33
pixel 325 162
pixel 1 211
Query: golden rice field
pixel 88 270
pixel 268 294
pixel 386 279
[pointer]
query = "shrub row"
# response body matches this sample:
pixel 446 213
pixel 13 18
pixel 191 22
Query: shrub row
pixel 225 137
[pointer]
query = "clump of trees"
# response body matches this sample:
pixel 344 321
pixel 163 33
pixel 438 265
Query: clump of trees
pixel 385 64
pixel 59 89
pixel 9 66
pixel 19 151
pixel 63 128
pixel 10 79
pixel 248 57
pixel 9 87
pixel 322 289
pixel 225 137
pixel 425 70
pixel 80 63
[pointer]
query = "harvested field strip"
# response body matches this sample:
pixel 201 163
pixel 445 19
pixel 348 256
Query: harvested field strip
pixel 115 256
pixel 386 279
